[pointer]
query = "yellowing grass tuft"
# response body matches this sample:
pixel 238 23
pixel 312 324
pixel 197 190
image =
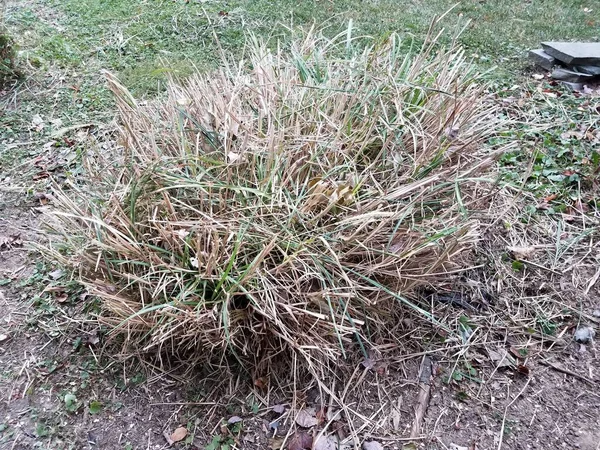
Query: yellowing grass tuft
pixel 285 205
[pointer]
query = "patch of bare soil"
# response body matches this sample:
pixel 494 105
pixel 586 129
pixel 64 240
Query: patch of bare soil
pixel 41 366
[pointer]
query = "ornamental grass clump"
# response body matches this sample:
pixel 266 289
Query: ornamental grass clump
pixel 285 207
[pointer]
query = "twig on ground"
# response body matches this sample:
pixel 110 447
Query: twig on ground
pixel 506 411
pixel 592 281
pixel 567 372
pixel 424 395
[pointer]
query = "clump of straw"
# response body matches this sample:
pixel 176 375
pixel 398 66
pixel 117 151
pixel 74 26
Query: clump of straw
pixel 288 204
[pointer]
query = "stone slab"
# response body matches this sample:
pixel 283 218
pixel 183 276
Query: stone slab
pixel 590 70
pixel 574 53
pixel 571 76
pixel 542 59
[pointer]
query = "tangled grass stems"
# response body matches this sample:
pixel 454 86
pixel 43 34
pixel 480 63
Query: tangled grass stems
pixel 286 205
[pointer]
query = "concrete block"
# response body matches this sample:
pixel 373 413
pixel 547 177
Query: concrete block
pixel 574 53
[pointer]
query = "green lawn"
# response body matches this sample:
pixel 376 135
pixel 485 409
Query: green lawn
pixel 147 41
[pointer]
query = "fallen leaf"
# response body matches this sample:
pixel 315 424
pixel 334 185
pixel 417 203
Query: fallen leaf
pixel 501 358
pixel 325 443
pixel 301 440
pixel 307 417
pixel 372 445
pixel 56 274
pixel 40 176
pixel 538 76
pixel 62 297
pixel 3 337
pixel 37 123
pixel 261 383
pixel 234 419
pixel 276 443
pixel 179 434
pixel 368 363
pixel 279 409
pixel 550 197
pixel 521 253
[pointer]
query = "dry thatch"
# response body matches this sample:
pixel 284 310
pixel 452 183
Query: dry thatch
pixel 285 205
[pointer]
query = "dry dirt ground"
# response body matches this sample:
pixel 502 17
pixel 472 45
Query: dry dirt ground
pixel 517 379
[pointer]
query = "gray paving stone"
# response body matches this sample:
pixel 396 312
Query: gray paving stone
pixel 571 76
pixel 574 53
pixel 542 59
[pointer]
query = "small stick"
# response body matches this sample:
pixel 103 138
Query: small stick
pixel 424 395
pixel 543 362
pixel 506 412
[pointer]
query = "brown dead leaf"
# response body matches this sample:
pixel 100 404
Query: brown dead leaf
pixel 301 440
pixel 523 370
pixel 261 383
pixel 62 297
pixel 179 434
pixel 40 176
pixel 307 417
pixel 501 357
pixel 321 416
pixel 276 443
pixel 279 409
pixel 522 253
